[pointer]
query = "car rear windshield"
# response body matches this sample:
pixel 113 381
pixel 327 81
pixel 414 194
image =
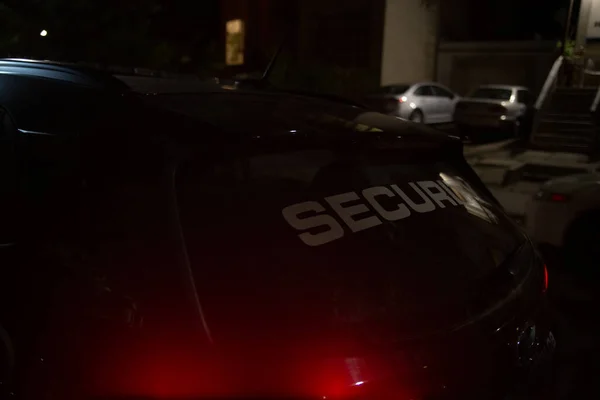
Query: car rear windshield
pixel 394 89
pixel 294 243
pixel 492 94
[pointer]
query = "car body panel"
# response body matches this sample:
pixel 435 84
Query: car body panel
pixel 218 225
pixel 484 112
pixel 547 221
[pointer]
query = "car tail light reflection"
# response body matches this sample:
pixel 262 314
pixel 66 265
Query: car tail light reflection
pixel 169 369
pixel 558 198
pixel 164 371
pixel 545 279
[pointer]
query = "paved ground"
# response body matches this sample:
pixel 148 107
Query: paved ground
pixel 515 174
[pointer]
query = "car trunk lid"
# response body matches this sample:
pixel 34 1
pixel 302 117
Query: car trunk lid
pixel 480 107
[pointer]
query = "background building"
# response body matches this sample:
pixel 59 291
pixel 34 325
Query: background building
pixel 357 45
pixel 325 44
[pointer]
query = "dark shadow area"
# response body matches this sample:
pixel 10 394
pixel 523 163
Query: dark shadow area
pixel 573 298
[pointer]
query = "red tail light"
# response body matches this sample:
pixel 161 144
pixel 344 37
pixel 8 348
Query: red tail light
pixel 545 278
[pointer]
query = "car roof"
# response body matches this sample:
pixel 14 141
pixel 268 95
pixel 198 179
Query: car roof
pixel 295 117
pixel 223 95
pixel 429 83
pixel 414 84
pixel 182 85
pixel 507 87
pixel 112 77
pixel 64 72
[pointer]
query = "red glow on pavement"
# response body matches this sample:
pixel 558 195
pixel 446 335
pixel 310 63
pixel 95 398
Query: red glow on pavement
pixel 557 197
pixel 167 369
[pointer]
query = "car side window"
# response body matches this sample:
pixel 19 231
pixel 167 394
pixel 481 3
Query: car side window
pixel 524 97
pixel 441 92
pixel 424 91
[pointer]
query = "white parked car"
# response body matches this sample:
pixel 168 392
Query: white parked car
pixel 423 102
pixel 565 215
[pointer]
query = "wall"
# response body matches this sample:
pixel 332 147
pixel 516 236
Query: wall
pixel 338 48
pixel 348 36
pixel 328 48
pixel 409 42
pixel 465 65
pixel 584 19
pixel 588 33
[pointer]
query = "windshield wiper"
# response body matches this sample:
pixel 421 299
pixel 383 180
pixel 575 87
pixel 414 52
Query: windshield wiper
pixel 264 83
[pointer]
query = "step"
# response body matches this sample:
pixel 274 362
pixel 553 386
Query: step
pixel 574 95
pixel 569 107
pixel 550 147
pixel 542 172
pixel 483 149
pixel 562 101
pixel 562 142
pixel 574 122
pixel 576 90
pixel 566 131
pixel 586 116
pixel 535 157
pixel 546 133
pixel 592 80
pixel 553 146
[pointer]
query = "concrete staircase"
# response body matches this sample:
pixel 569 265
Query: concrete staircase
pixel 566 123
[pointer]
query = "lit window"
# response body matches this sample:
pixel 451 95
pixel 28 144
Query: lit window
pixel 234 47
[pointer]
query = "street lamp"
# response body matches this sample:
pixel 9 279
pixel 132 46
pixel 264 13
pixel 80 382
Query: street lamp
pixel 43 33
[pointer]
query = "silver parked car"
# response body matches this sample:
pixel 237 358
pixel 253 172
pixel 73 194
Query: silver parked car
pixel 424 102
pixel 493 107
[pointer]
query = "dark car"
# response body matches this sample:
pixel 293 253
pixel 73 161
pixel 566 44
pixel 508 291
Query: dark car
pixel 491 109
pixel 173 238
